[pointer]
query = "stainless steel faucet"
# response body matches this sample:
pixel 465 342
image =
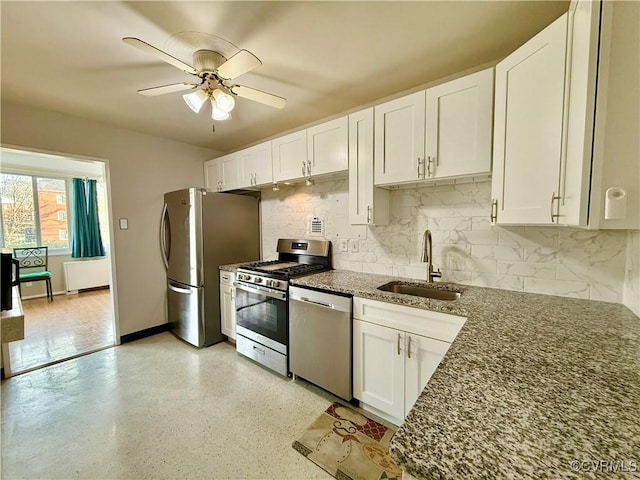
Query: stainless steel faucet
pixel 427 256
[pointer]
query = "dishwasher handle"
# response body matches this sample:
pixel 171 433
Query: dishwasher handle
pixel 323 300
pixel 320 304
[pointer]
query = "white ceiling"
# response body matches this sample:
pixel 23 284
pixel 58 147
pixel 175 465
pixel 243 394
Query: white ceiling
pixel 324 57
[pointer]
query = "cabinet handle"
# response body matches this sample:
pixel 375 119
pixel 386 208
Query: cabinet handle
pixel 304 168
pixel 494 211
pixel 368 213
pixel 555 216
pixel 409 347
pixel 418 166
pixel 399 338
pixel 309 167
pixel 429 162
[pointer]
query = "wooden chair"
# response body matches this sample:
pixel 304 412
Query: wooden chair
pixel 34 263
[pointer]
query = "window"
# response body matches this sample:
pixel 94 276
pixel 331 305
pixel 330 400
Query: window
pixel 31 211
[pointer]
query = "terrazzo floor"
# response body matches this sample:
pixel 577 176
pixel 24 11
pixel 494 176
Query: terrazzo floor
pixel 157 408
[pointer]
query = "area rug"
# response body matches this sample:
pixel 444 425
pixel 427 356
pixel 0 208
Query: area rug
pixel 349 445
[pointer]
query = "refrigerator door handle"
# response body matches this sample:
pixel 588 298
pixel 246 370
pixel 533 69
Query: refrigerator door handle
pixel 163 245
pixel 185 291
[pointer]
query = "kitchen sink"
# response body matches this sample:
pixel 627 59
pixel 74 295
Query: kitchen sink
pixel 419 291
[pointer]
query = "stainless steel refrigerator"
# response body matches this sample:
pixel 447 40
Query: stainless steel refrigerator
pixel 200 231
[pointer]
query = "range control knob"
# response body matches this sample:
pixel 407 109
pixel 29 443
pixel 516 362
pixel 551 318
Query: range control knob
pixel 272 283
pixel 258 279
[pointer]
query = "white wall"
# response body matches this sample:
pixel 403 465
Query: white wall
pixel 142 168
pixel 551 260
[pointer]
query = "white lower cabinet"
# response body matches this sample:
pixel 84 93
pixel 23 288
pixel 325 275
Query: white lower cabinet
pixel 378 368
pixel 396 350
pixel 227 305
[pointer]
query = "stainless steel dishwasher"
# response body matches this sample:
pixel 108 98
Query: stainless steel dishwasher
pixel 320 339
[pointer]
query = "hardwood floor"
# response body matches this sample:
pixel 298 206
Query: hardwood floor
pixel 69 326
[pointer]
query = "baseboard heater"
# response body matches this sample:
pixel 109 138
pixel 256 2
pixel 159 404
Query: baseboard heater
pixel 82 274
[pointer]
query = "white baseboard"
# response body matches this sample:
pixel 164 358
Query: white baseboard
pixel 42 295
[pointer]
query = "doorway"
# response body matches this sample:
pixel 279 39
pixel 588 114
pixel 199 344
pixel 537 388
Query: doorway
pixel 39 208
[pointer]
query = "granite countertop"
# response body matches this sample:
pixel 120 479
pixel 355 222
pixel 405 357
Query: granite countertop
pixel 232 266
pixel 531 384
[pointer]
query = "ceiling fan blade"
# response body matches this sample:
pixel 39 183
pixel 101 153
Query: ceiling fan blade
pixel 240 63
pixel 259 96
pixel 165 57
pixel 174 87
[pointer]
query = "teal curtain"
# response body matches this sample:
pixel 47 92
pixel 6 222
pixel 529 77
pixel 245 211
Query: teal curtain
pixel 85 232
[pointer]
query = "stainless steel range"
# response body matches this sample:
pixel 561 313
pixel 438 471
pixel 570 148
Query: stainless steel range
pixel 262 311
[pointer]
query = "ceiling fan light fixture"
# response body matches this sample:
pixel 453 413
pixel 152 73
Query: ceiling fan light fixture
pixel 217 113
pixel 224 101
pixel 195 100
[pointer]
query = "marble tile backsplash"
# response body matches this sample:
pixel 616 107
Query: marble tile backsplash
pixel 551 260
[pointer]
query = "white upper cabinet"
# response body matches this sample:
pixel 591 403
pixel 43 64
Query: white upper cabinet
pixel 459 126
pixel 213 175
pixel 546 160
pixel 289 156
pixel 327 147
pixel 441 133
pixel 616 150
pixel 399 140
pixel 368 205
pixel 255 165
pixel 528 128
pixel 230 168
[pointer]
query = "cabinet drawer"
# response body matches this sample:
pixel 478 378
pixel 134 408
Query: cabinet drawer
pixel 227 278
pixel 437 325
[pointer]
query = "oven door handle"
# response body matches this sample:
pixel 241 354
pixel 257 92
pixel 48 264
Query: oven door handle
pixel 267 292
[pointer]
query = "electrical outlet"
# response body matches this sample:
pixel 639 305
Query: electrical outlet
pixel 354 245
pixel 343 245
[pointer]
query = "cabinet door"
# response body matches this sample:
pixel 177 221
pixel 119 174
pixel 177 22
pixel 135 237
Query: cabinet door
pixel 289 155
pixel 368 205
pixel 261 161
pixel 246 168
pixel 212 175
pixel 399 140
pixel 460 126
pixel 378 368
pixel 230 168
pixel 423 357
pixel 228 311
pixel 582 75
pixel 528 128
pixel 327 147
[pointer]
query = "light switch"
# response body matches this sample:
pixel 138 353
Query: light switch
pixel 124 223
pixel 354 245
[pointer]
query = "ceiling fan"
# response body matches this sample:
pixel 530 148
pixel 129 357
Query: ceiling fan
pixel 216 63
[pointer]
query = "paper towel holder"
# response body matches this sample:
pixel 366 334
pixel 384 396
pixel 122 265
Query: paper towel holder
pixel 615 203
